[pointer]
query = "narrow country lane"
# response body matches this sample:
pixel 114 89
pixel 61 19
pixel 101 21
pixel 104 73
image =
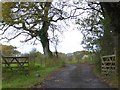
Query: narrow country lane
pixel 74 76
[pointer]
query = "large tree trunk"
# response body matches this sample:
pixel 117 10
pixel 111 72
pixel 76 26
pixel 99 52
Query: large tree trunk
pixel 107 43
pixel 118 57
pixel 113 11
pixel 45 40
pixel 45 45
pixel 43 34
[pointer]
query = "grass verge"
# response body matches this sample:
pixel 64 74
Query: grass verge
pixel 37 74
pixel 111 80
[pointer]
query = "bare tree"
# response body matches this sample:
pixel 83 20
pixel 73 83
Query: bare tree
pixel 34 19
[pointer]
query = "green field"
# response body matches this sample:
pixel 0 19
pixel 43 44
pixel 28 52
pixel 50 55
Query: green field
pixel 37 74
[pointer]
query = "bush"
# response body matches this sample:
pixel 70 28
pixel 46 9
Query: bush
pixel 97 61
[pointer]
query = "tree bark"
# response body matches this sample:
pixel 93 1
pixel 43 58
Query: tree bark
pixel 43 34
pixel 46 48
pixel 113 10
pixel 118 57
pixel 44 39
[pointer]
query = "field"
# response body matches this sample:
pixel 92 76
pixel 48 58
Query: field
pixel 39 70
pixel 37 74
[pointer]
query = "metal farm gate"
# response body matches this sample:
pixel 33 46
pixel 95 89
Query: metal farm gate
pixel 108 64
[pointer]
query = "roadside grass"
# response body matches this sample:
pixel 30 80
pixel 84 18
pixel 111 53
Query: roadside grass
pixel 0 81
pixel 112 80
pixel 109 79
pixel 85 61
pixel 37 74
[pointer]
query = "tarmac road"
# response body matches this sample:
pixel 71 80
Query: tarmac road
pixel 74 76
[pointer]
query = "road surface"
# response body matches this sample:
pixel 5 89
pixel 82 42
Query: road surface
pixel 74 76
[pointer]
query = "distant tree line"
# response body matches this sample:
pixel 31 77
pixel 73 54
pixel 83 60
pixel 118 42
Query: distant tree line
pixel 8 50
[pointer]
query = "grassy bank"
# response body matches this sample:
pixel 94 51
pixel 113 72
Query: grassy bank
pixel 37 74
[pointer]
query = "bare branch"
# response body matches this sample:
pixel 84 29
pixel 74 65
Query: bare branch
pixel 6 28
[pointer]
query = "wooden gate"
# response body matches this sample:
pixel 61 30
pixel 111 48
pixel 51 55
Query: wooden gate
pixel 108 64
pixel 18 63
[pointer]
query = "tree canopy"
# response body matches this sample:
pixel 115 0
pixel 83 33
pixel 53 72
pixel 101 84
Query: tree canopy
pixel 112 10
pixel 105 36
pixel 34 19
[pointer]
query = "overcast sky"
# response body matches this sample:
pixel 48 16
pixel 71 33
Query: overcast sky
pixel 70 41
